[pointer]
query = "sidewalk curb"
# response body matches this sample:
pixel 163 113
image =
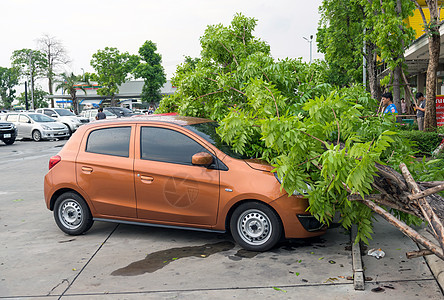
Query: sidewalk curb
pixel 358 270
pixel 436 264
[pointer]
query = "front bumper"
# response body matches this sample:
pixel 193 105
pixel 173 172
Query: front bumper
pixel 53 134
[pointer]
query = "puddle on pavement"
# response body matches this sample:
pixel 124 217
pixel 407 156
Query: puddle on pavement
pixel 242 253
pixel 160 259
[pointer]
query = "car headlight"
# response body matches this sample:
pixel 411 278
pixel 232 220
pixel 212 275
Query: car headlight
pixel 295 193
pixel 46 127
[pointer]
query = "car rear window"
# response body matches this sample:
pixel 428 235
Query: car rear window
pixel 166 145
pixel 110 141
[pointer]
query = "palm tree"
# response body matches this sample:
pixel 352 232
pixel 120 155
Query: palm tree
pixel 70 83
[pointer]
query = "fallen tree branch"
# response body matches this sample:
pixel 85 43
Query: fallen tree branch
pixel 385 200
pixel 415 254
pixel 408 231
pixel 427 192
pixel 425 207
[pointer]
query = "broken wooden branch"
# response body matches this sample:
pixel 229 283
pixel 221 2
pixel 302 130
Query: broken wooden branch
pixel 427 192
pixel 420 253
pixel 425 207
pixel 405 229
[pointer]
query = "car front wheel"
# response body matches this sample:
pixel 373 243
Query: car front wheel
pixel 72 214
pixel 255 226
pixel 9 141
pixel 36 136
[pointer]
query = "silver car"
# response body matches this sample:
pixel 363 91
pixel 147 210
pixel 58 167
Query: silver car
pixel 37 126
pixel 92 113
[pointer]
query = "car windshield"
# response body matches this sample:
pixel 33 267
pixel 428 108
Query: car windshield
pixel 208 132
pixel 108 113
pixel 64 112
pixel 40 118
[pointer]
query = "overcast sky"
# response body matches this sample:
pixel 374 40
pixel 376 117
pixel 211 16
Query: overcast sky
pixel 174 25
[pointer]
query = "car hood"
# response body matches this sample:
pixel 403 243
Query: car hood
pixel 74 118
pixel 259 164
pixel 53 125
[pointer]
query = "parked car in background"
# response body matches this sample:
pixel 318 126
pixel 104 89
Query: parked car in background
pixel 8 132
pixel 37 126
pixel 171 171
pixel 64 116
pixel 91 114
pixel 120 111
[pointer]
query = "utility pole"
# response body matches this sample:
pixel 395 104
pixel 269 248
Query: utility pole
pixel 310 42
pixel 26 96
pixel 32 80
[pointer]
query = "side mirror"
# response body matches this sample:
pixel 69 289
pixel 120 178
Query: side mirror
pixel 54 115
pixel 202 159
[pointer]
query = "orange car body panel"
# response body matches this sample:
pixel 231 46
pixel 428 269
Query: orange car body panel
pixel 137 190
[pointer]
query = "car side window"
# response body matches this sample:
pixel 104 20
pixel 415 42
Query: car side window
pixel 110 141
pixel 23 119
pixel 48 112
pixel 12 118
pixel 166 145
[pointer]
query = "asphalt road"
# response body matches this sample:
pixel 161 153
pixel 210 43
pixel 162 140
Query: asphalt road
pixel 116 261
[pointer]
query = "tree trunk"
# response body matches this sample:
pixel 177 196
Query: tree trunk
pixel 397 87
pixel 371 70
pixel 434 49
pixel 51 91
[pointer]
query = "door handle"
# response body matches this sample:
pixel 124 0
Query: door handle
pixel 87 170
pixel 146 179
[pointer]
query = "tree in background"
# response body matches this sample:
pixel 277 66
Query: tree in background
pixel 112 68
pixel 340 37
pixel 39 98
pixel 70 83
pixel 346 25
pixel 431 29
pixel 151 70
pixel 55 56
pixel 8 80
pixel 31 65
pixel 391 35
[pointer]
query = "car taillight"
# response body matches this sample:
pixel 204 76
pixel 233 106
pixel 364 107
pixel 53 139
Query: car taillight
pixel 53 161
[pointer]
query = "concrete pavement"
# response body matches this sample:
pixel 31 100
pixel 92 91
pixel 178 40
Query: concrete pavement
pixel 131 262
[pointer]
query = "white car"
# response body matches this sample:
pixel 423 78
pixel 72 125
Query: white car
pixel 37 126
pixel 64 116
pixel 92 113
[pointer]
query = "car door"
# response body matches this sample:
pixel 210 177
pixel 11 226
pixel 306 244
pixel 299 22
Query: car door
pixel 168 187
pixel 104 169
pixel 25 126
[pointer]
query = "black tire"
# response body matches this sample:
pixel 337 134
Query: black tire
pixel 9 141
pixel 255 226
pixel 69 130
pixel 72 214
pixel 36 135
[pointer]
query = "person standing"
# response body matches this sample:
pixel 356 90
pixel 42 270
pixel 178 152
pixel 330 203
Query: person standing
pixel 387 101
pixel 420 110
pixel 100 115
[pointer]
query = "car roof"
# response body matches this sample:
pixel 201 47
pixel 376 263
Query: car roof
pixel 177 120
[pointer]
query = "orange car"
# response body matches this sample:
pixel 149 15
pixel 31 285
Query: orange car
pixel 175 172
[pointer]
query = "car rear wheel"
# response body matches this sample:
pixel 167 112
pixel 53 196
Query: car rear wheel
pixel 36 136
pixel 9 141
pixel 255 226
pixel 72 214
